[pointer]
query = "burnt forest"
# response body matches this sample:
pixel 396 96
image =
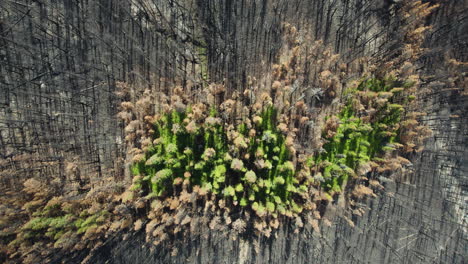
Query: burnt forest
pixel 233 131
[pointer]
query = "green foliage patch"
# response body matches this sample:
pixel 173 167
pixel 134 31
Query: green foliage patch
pixel 250 164
pixel 254 169
pixel 360 140
pixel 54 226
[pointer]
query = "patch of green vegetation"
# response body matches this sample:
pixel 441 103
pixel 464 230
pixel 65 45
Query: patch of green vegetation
pixel 357 141
pixel 53 226
pixel 254 170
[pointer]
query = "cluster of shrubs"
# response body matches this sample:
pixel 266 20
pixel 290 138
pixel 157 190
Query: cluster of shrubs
pixel 56 221
pixel 253 162
pixel 364 133
pixel 59 225
pixel 247 163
